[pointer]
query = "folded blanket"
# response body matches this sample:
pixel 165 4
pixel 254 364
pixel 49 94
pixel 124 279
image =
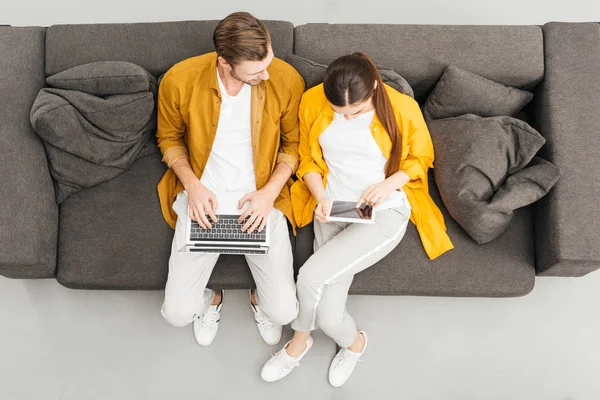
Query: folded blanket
pixel 91 138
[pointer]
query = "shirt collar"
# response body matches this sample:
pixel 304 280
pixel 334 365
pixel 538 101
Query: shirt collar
pixel 212 80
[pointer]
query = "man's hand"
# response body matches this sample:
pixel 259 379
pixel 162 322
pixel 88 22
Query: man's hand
pixel 323 207
pixel 201 201
pixel 376 194
pixel 261 204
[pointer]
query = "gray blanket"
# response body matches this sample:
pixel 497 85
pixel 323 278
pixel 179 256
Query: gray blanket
pixel 91 138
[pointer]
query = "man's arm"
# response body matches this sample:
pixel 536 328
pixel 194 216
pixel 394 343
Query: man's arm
pixel 290 126
pixel 278 179
pixel 170 136
pixel 288 158
pixel 170 124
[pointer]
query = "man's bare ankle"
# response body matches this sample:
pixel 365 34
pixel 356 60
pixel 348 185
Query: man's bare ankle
pixel 217 298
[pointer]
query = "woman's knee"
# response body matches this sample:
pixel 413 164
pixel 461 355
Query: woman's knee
pixel 329 320
pixel 308 278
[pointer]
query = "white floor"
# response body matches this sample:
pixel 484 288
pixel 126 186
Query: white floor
pixel 57 343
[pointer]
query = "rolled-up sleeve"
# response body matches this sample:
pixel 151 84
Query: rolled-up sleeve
pixel 290 126
pixel 170 125
pixel 307 162
pixel 420 154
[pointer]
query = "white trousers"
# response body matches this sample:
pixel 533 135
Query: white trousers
pixel 341 251
pixel 186 294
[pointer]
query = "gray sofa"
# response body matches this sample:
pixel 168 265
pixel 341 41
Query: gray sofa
pixel 112 236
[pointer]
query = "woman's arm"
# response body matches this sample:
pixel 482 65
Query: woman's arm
pixel 314 181
pixel 376 194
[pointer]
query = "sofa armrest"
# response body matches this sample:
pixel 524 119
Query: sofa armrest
pixel 567 112
pixel 28 210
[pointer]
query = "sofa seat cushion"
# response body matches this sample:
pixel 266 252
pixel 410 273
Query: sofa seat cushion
pixel 502 268
pixel 113 236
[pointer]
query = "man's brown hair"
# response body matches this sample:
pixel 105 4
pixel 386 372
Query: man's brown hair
pixel 241 37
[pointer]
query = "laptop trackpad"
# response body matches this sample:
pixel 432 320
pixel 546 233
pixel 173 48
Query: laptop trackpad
pixel 228 203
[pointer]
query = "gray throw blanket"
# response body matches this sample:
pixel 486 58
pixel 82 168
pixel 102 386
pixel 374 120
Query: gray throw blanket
pixel 91 138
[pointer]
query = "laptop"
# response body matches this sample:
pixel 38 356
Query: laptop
pixel 226 236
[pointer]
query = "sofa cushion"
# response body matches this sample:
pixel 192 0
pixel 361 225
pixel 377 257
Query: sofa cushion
pixel 154 46
pixel 460 92
pixel 93 137
pixel 113 236
pixel 502 268
pixel 28 211
pixel 485 172
pixel 511 55
pixel 313 73
pixel 105 78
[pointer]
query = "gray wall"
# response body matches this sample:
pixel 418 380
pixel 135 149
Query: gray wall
pixel 44 12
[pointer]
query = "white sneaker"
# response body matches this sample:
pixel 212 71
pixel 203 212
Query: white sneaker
pixel 206 324
pixel 269 332
pixel 281 364
pixel 343 364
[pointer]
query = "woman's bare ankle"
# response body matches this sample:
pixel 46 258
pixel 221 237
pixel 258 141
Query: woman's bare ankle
pixel 359 343
pixel 296 347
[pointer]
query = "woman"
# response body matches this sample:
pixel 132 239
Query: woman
pixel 363 141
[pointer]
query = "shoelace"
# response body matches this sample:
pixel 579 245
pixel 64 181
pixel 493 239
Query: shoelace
pixel 209 318
pixel 344 358
pixel 263 321
pixel 285 363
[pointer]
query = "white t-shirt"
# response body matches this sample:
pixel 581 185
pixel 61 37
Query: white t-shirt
pixel 229 167
pixel 354 160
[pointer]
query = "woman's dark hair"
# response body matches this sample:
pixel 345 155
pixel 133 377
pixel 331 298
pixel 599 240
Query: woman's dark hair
pixel 349 80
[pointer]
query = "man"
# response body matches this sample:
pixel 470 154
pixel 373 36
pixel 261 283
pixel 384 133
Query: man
pixel 228 122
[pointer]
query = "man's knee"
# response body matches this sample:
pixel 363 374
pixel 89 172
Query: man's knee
pixel 177 314
pixel 282 312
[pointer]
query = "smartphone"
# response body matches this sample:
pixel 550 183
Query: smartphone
pixel 346 211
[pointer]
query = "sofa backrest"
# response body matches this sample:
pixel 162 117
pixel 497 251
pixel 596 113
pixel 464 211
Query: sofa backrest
pixel 154 46
pixel 512 55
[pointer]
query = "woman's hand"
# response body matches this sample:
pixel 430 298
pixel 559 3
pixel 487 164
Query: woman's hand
pixel 376 194
pixel 323 207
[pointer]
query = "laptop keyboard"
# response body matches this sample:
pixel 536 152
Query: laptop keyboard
pixel 228 229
